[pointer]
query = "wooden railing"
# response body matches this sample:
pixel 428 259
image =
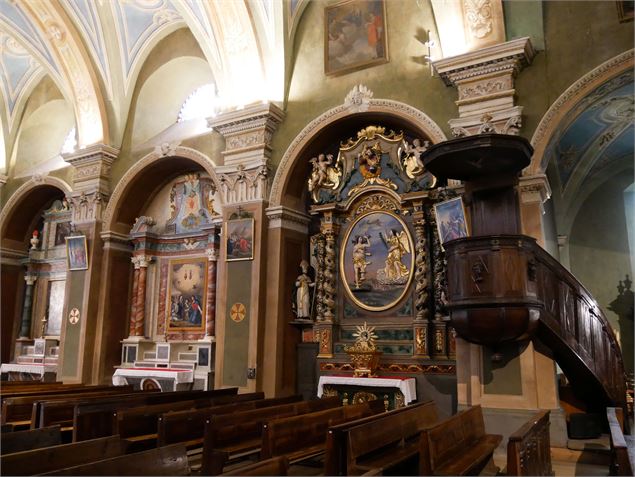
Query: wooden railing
pixel 506 287
pixel 620 461
pixel 528 449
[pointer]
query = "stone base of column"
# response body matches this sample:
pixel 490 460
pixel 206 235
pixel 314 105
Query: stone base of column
pixel 207 339
pixel 136 339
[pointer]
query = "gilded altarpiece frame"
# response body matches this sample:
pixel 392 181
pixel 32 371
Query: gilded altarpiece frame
pixel 378 257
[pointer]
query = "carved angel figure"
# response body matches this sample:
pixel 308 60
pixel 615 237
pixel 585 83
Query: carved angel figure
pixel 412 162
pixel 323 176
pixel 398 245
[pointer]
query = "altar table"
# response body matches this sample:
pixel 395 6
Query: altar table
pixel 404 389
pixel 30 371
pixel 165 379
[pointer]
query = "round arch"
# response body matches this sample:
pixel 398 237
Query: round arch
pixel 159 160
pixel 559 110
pixel 417 119
pixel 43 189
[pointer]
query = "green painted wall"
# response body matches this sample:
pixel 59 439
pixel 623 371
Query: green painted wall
pixel 237 334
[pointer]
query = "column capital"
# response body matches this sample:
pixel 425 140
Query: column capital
pixel 30 278
pixel 286 218
pixel 144 260
pixel 247 131
pixel 92 166
pixel 534 188
pixel 212 254
pixel 485 82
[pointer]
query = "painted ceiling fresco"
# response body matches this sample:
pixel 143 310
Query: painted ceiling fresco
pixel 599 133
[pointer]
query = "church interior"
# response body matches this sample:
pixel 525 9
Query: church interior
pixel 317 237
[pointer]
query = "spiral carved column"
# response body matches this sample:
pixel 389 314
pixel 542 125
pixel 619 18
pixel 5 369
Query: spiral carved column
pixel 326 287
pixel 133 303
pixel 439 331
pixel 319 278
pixel 422 284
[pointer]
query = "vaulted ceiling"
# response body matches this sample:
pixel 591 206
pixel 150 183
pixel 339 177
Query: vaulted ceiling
pixel 93 51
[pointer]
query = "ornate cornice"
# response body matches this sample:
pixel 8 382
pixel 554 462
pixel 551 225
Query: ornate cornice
pixel 534 188
pixel 511 55
pixel 283 217
pixel 92 167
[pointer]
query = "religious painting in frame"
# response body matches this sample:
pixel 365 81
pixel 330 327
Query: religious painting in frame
pixel 354 36
pixel 187 285
pixel 77 253
pixel 625 11
pixel 451 223
pixel 239 239
pixel 377 260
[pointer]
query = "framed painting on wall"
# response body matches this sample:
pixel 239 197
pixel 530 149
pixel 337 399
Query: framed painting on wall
pixel 451 223
pixel 239 239
pixel 354 36
pixel 187 282
pixel 77 253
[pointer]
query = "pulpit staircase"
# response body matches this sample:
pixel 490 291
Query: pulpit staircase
pixel 502 286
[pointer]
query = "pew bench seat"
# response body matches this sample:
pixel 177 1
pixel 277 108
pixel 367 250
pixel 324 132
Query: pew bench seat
pixel 472 458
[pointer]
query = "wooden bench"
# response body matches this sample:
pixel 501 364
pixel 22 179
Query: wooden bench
pixel 188 427
pixel 303 437
pixel 273 466
pixel 30 439
pixel 377 442
pixel 18 410
pixel 529 448
pixel 171 460
pixel 235 435
pixel 48 459
pixel 92 420
pixel 139 425
pixel 621 463
pixel 458 445
pixel 63 389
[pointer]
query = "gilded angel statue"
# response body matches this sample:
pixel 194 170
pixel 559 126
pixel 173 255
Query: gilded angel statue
pixel 324 175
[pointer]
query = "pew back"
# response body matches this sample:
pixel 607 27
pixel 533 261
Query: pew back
pixel 529 448
pixel 11 442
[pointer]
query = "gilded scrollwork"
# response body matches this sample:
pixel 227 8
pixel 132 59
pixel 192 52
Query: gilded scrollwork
pixel 324 175
pixel 329 391
pixel 369 165
pixel 377 202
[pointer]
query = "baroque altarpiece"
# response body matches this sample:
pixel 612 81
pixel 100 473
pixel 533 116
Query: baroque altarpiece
pixel 379 264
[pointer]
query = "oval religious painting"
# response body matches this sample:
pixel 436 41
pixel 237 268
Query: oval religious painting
pixel 377 260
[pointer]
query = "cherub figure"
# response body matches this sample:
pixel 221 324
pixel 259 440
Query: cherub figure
pixel 412 162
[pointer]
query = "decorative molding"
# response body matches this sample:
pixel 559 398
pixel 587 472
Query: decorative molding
pixel 396 368
pixel 92 167
pixel 137 169
pixel 534 189
pixel 421 122
pixel 358 99
pixel 567 100
pixel 244 185
pixel 212 254
pixel 87 207
pixel 286 218
pixel 478 17
pixel 142 224
pixel 247 132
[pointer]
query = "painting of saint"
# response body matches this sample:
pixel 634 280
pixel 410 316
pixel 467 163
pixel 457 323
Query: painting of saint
pixel 76 253
pixel 451 222
pixel 62 230
pixel 239 239
pixel 377 260
pixel 355 35
pixel 188 283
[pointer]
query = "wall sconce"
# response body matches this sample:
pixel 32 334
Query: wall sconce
pixel 429 44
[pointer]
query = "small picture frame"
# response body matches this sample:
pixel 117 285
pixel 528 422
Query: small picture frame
pixel 354 36
pixel 625 11
pixel 77 253
pixel 239 240
pixel 163 352
pixel 451 222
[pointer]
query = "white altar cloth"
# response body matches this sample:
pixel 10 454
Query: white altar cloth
pixel 407 386
pixel 32 368
pixel 178 375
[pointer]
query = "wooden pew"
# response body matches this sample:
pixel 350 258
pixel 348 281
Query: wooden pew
pixel 273 466
pixel 60 411
pixel 302 437
pixel 170 460
pixel 18 410
pixel 188 427
pixel 230 436
pixel 139 425
pixel 621 463
pixel 92 420
pixel 529 448
pixel 458 445
pixel 377 442
pixel 48 459
pixel 31 439
pixel 63 389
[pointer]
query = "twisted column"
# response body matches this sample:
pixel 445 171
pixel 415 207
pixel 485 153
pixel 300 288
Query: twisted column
pixel 133 303
pixel 25 324
pixel 329 277
pixel 210 319
pixel 422 284
pixel 319 278
pixel 140 314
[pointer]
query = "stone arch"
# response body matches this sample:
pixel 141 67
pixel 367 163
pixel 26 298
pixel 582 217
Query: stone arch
pixel 419 121
pixel 168 153
pixel 558 111
pixel 26 190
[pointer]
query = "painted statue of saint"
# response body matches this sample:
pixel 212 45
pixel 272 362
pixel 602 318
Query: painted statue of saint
pixel 361 244
pixel 303 293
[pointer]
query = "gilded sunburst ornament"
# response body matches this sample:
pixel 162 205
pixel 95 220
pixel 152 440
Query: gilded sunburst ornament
pixel 365 336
